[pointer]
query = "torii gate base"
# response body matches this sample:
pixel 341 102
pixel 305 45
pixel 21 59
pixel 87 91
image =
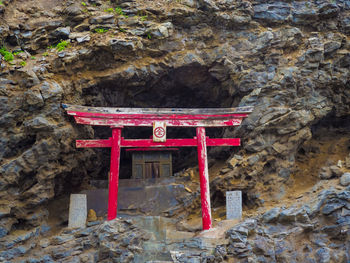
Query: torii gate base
pixel 203 175
pixel 116 118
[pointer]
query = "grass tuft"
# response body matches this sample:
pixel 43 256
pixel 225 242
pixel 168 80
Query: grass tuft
pixel 8 56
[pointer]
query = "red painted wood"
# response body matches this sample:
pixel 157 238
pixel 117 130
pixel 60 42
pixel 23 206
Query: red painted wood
pixel 158 116
pixel 170 111
pixel 150 143
pixel 204 178
pixel 145 149
pixel 114 174
pixel 93 143
pixel 149 122
pixel 223 142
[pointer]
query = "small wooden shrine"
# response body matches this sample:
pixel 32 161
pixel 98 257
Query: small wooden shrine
pixel 150 163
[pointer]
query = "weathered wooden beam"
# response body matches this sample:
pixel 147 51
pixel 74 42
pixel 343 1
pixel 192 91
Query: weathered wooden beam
pixel 204 177
pixel 130 143
pixel 114 174
pixel 213 116
pixel 109 110
pixel 152 149
pixel 149 122
pixel 93 143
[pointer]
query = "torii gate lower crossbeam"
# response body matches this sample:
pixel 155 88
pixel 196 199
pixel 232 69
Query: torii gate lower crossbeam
pixel 148 117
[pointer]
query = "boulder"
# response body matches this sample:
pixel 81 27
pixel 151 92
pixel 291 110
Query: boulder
pixel 61 32
pixel 103 19
pixel 345 179
pixel 274 13
pixel 271 215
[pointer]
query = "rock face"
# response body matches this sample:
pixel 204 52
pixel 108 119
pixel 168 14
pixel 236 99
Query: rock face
pixel 345 179
pixel 116 239
pixel 252 240
pixel 290 59
pixel 274 241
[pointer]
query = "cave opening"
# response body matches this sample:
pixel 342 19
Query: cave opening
pixel 327 149
pixel 186 87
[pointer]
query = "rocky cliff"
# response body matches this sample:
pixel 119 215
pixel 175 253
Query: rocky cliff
pixel 289 59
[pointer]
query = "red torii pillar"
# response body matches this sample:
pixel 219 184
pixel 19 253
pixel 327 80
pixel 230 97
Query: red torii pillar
pixel 114 174
pixel 204 177
pixel 116 118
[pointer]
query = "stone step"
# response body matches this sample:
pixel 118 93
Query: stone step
pixel 153 256
pixel 167 243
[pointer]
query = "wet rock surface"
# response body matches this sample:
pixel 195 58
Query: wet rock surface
pixel 117 240
pixel 321 228
pixel 289 59
pixel 324 236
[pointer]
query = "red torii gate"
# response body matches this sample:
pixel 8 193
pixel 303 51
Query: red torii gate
pixel 159 118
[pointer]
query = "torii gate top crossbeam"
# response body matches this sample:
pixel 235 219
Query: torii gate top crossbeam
pixel 180 117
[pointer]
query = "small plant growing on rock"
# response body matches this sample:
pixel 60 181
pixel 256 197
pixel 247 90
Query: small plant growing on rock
pixel 1 3
pixel 83 4
pixel 62 45
pixel 45 54
pixel 8 56
pixel 143 18
pixel 33 58
pixel 142 15
pixel 23 63
pixel 17 52
pixel 120 11
pixel 149 36
pixel 109 10
pixel 122 30
pixel 101 30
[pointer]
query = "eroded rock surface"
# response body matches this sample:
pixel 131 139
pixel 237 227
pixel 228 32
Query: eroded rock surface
pixel 290 59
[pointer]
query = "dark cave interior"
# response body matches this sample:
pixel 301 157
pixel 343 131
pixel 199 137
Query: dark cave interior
pixel 186 87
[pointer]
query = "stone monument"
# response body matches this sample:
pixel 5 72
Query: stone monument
pixel 77 211
pixel 233 204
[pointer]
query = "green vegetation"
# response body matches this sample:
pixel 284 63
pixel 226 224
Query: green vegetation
pixel 62 45
pixel 33 58
pixel 101 30
pixel 142 15
pixel 1 3
pixel 83 4
pixel 122 30
pixel 143 18
pixel 8 56
pixel 120 11
pixel 117 10
pixel 149 36
pixel 109 10
pixel 23 63
pixel 45 54
pixel 17 52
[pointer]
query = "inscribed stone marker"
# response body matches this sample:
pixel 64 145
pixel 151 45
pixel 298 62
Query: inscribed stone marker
pixel 77 211
pixel 347 162
pixel 234 205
